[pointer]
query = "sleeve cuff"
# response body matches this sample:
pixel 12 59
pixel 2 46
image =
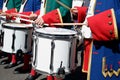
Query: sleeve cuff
pixel 52 17
pixel 103 26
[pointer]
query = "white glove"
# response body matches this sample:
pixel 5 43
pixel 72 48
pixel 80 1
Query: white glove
pixel 86 32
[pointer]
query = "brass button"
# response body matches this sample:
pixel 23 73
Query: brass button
pixel 111 32
pixel 109 15
pixel 110 23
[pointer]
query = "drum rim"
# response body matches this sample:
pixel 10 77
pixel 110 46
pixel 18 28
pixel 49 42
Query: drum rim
pixel 10 27
pixel 55 37
pixel 56 34
pixel 46 73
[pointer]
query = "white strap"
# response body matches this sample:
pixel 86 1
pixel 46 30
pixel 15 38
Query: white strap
pixel 42 8
pixel 77 3
pixel 91 7
pixel 22 6
pixel 4 6
pixel 86 32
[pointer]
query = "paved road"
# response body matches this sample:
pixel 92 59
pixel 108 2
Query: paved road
pixel 7 74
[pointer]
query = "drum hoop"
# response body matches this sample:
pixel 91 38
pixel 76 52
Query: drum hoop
pixel 54 36
pixel 42 72
pixel 46 73
pixel 57 33
pixel 21 28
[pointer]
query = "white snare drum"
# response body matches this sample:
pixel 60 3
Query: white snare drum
pixel 16 37
pixel 53 49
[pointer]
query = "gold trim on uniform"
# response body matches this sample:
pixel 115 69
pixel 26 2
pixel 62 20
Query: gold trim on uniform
pixel 105 71
pixel 90 59
pixel 60 16
pixel 115 24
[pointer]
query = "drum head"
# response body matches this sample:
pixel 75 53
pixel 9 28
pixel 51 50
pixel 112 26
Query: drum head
pixel 17 25
pixel 55 31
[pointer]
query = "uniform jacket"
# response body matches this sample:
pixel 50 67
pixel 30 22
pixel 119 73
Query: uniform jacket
pixel 54 12
pixel 102 52
pixel 28 7
pixel 32 5
pixel 14 4
pixel 9 6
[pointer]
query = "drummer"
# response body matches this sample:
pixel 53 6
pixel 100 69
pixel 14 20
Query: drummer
pixel 51 12
pixel 10 16
pixel 25 9
pixel 8 7
pixel 29 6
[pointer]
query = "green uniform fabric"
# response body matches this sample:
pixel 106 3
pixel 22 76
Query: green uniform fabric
pixel 14 4
pixel 65 13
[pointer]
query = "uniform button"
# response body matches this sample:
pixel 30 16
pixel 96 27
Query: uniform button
pixel 109 15
pixel 111 32
pixel 110 23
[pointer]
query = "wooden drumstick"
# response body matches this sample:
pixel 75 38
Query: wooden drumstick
pixel 56 24
pixel 67 24
pixel 27 20
pixel 18 15
pixel 31 21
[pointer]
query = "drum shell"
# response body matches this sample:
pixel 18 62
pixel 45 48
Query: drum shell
pixel 64 51
pixel 2 20
pixel 23 37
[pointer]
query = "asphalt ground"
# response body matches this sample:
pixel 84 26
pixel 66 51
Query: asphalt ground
pixel 7 74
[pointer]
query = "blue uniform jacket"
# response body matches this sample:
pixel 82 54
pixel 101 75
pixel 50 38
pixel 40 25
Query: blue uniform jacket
pixel 32 5
pixel 104 62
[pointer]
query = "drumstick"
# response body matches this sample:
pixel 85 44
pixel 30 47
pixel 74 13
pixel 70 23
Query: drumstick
pixel 27 20
pixel 62 4
pixel 67 24
pixel 20 15
pixel 56 24
pixel 32 21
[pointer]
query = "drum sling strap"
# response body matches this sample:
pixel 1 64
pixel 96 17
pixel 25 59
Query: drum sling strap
pixel 26 36
pixel 36 47
pixel 1 38
pixel 60 70
pixel 13 41
pixel 52 54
